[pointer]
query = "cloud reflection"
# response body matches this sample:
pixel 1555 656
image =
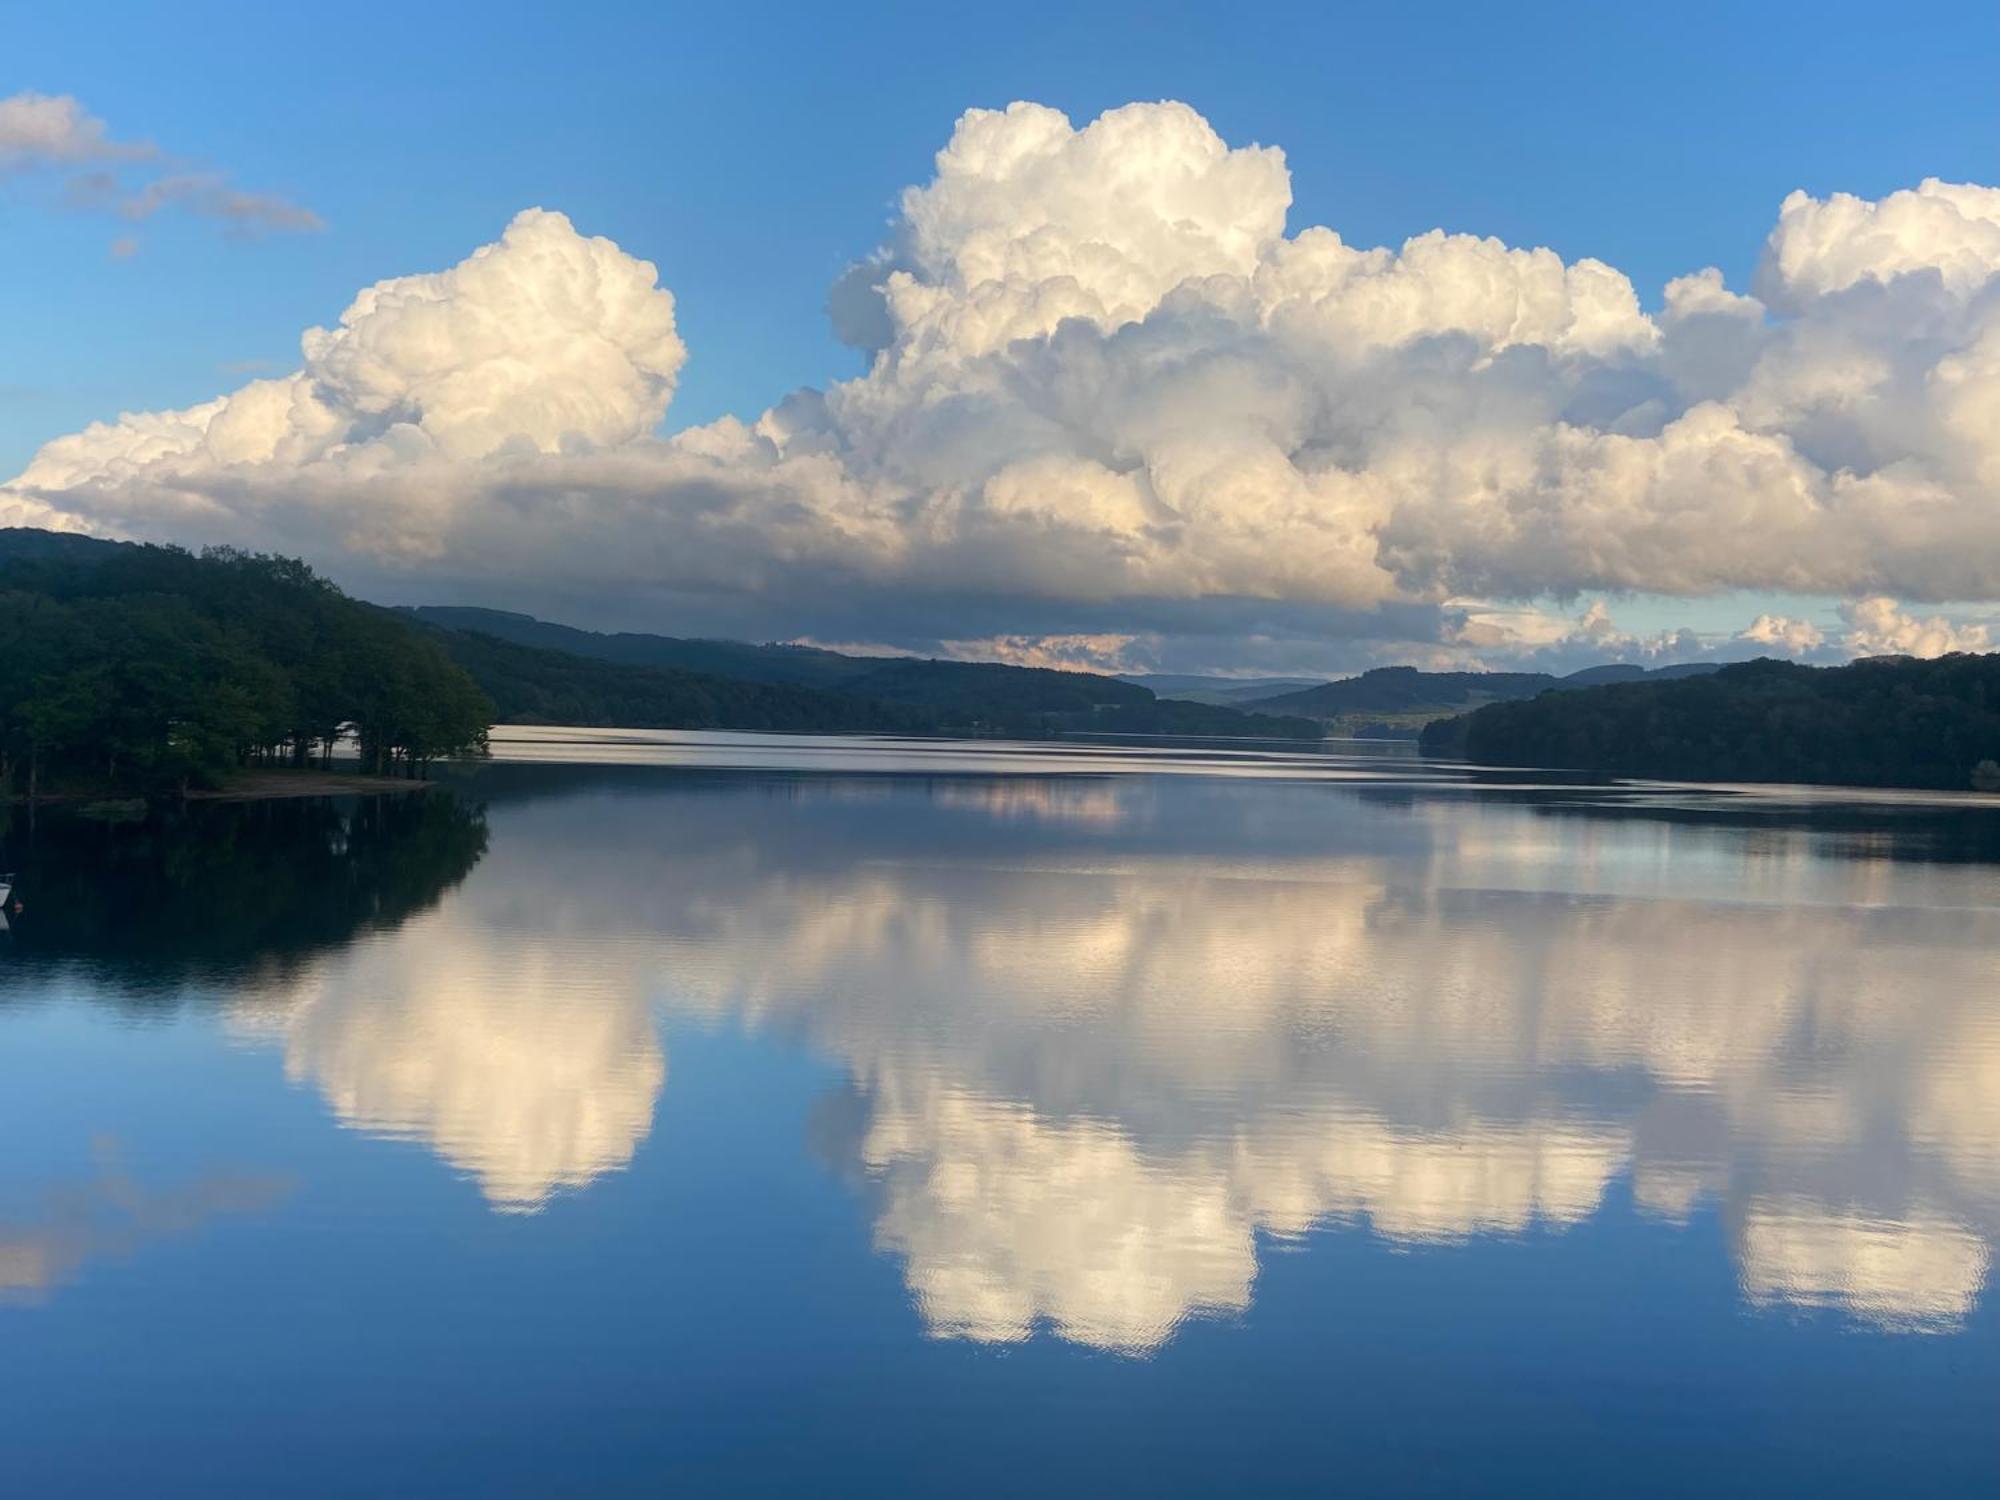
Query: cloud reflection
pixel 1919 1273
pixel 528 1067
pixel 1106 1039
pixel 1096 1077
pixel 111 1214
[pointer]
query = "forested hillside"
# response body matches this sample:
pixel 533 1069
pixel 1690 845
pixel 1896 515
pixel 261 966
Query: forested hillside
pixel 538 672
pixel 975 688
pixel 1400 701
pixel 1888 721
pixel 529 685
pixel 800 666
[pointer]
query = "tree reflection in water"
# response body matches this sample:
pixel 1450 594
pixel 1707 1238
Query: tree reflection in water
pixel 227 892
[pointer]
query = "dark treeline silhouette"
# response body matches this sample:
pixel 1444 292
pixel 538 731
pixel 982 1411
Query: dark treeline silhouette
pixel 1887 721
pixel 152 668
pixel 220 892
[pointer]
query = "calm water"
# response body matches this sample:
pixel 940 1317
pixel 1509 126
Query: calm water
pixel 702 1114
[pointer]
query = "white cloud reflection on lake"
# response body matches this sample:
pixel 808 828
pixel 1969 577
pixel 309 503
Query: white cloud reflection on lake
pixel 1105 1036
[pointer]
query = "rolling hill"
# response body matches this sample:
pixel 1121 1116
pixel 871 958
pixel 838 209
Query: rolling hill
pixel 1399 701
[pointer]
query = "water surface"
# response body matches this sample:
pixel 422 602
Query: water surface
pixel 658 1113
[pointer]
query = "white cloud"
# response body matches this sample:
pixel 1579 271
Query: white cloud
pixel 53 133
pixel 543 341
pixel 1110 396
pixel 1533 638
pixel 38 130
pixel 1946 230
pixel 209 194
pixel 1062 653
pixel 1029 222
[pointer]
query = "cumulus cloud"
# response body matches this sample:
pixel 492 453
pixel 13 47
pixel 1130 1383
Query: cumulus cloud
pixel 1062 653
pixel 1109 394
pixel 1879 627
pixel 542 342
pixel 1942 230
pixel 54 134
pixel 1875 626
pixel 1785 635
pixel 1497 635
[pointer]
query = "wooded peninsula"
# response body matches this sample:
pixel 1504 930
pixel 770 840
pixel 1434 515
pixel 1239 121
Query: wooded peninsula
pixel 151 669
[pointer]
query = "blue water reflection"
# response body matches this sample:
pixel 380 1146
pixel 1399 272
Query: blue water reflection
pixel 1590 1135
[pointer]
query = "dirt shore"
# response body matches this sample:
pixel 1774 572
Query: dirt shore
pixel 257 786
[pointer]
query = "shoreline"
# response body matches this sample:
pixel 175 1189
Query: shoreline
pixel 264 785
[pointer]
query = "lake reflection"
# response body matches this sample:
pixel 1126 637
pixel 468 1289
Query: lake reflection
pixel 1104 1044
pixel 1102 1032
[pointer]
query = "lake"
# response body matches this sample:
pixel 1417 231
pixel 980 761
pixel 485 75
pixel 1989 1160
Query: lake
pixel 648 1113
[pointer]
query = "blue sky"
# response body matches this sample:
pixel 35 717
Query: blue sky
pixel 753 154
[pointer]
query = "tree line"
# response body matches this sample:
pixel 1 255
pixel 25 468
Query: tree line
pixel 1884 721
pixel 535 685
pixel 152 668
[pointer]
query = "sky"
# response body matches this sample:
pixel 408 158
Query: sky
pixel 1133 406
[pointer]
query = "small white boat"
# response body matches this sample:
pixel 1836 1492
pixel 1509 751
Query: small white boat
pixel 6 888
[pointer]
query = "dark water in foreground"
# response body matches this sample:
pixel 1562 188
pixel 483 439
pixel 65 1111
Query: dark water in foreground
pixel 818 1117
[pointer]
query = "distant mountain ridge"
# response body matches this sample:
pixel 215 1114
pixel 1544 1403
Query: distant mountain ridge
pixel 1401 700
pixel 1229 692
pixel 541 672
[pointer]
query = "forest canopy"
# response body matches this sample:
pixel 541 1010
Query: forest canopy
pixel 153 668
